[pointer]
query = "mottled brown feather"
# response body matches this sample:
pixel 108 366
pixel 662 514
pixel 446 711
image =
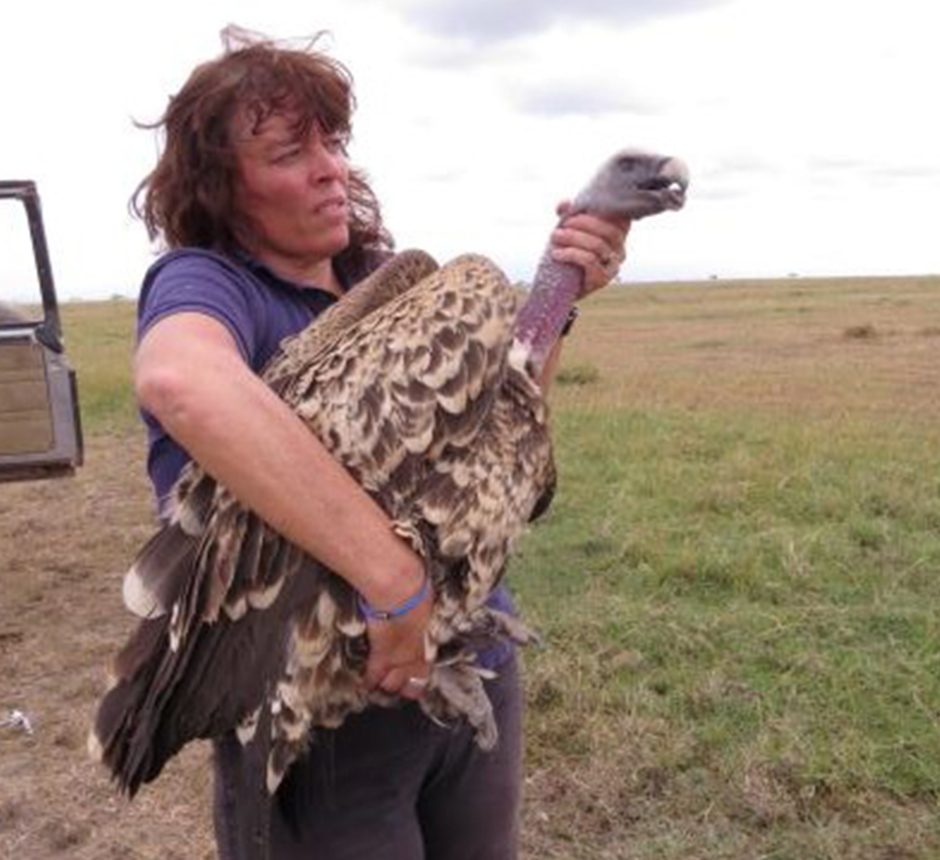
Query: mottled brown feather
pixel 408 384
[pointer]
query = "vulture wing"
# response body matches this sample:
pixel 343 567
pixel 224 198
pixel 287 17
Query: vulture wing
pixel 405 382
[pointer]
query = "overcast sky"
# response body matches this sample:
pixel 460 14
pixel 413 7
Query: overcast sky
pixel 810 126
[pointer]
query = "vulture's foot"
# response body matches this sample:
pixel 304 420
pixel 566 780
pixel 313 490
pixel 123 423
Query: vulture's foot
pixel 455 691
pixel 480 628
pixel 513 628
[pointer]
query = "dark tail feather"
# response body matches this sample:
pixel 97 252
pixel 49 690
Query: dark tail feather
pixel 159 572
pixel 143 720
pixel 215 678
pixel 135 668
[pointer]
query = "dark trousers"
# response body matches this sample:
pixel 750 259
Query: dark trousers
pixel 391 785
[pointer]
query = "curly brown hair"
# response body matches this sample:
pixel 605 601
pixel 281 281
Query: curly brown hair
pixel 188 198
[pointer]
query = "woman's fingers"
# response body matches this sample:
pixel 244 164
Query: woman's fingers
pixel 596 245
pixel 409 682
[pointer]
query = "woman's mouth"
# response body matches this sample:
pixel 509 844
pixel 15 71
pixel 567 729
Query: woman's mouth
pixel 333 206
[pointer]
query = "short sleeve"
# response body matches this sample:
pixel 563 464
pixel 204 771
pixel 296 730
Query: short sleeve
pixel 196 281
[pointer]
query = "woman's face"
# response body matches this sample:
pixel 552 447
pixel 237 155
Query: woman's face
pixel 292 194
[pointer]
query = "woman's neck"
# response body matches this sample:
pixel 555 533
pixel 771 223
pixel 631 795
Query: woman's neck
pixel 317 273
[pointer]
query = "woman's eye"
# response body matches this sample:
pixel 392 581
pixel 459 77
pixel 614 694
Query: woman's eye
pixel 287 155
pixel 336 143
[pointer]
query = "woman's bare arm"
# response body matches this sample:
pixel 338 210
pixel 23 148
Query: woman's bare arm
pixel 191 377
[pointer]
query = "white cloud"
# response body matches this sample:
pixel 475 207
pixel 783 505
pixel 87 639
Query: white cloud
pixel 808 126
pixel 494 20
pixel 581 97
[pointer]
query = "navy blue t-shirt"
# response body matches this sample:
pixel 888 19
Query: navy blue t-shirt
pixel 259 309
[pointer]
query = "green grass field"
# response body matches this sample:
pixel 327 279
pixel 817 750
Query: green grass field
pixel 738 586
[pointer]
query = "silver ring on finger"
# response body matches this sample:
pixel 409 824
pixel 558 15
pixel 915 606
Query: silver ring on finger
pixel 417 683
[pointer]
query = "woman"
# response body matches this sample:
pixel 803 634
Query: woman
pixel 267 225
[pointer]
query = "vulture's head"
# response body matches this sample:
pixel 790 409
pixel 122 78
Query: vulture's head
pixel 634 184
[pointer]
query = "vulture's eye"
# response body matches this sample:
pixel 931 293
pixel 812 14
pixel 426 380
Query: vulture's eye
pixel 627 162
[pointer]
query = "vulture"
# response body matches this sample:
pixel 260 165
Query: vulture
pixel 423 382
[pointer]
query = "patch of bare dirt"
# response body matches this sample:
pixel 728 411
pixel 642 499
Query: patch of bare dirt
pixel 64 546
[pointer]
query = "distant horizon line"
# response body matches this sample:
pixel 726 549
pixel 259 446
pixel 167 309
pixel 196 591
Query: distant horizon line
pixel 632 282
pixel 24 300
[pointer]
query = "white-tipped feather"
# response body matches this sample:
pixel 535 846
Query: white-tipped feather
pixel 352 627
pixel 190 521
pixel 263 598
pixel 273 780
pixel 236 609
pixel 518 355
pixel 174 628
pixel 138 598
pixel 246 729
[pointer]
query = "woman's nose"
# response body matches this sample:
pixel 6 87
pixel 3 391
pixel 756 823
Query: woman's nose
pixel 326 162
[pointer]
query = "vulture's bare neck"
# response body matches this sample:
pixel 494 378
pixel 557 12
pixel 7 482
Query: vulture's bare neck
pixel 631 184
pixel 554 290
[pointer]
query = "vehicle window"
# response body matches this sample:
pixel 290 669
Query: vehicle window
pixel 20 296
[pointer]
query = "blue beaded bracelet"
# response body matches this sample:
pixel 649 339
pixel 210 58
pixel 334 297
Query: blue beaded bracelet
pixel 397 611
